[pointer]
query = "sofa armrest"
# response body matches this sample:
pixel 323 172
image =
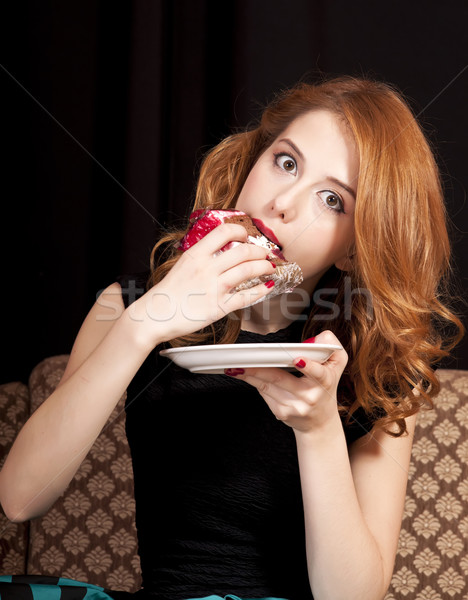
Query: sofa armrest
pixel 89 533
pixel 14 407
pixel 432 559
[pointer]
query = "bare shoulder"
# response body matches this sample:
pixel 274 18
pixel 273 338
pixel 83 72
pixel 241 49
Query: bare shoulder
pixel 379 443
pixel 107 309
pixel 379 456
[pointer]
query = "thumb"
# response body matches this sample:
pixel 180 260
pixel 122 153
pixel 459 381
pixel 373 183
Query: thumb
pixel 334 365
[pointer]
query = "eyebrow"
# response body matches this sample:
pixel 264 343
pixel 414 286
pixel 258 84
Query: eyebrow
pixel 332 179
pixel 293 146
pixel 346 187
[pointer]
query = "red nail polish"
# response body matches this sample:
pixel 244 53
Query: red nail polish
pixel 300 364
pixel 309 341
pixel 234 372
pixel 270 283
pixel 273 265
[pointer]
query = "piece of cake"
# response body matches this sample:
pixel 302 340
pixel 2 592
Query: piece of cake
pixel 286 276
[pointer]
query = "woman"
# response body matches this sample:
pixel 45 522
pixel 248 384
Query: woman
pixel 269 483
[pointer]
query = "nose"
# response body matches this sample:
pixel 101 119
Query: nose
pixel 286 202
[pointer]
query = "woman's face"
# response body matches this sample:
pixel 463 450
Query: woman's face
pixel 303 188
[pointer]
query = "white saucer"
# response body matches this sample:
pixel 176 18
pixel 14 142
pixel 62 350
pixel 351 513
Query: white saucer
pixel 214 359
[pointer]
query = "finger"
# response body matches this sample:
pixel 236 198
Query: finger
pixel 326 374
pixel 266 379
pixel 246 271
pixel 232 300
pixel 339 358
pixel 265 388
pixel 238 254
pixel 326 337
pixel 217 238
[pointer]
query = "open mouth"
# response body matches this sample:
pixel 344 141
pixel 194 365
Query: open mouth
pixel 267 232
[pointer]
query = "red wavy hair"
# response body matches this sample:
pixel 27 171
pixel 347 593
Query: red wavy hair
pixel 402 250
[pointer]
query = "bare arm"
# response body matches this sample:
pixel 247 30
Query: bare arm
pixel 55 440
pixel 109 350
pixel 353 509
pixel 353 501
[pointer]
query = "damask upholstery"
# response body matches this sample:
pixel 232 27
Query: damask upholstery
pixel 14 537
pixel 89 533
pixel 432 560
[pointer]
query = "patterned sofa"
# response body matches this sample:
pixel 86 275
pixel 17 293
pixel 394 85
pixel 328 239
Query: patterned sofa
pixel 89 534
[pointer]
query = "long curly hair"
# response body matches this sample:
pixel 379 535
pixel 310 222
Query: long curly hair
pixel 395 322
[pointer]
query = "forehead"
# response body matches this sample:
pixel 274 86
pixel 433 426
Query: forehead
pixel 319 123
pixel 323 137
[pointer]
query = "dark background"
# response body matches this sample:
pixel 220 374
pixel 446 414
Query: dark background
pixel 107 108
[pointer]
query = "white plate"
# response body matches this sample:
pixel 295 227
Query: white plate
pixel 214 359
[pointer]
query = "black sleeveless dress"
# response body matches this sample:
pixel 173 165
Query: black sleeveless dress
pixel 217 486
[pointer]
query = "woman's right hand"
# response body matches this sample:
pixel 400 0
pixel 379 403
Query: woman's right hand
pixel 111 346
pixel 199 289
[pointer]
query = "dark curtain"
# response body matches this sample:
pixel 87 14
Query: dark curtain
pixel 108 107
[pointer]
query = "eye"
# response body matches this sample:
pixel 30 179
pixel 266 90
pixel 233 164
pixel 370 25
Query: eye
pixel 332 200
pixel 286 163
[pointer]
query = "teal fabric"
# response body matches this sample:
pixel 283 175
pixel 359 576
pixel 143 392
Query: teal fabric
pixel 45 589
pixel 94 591
pixel 231 597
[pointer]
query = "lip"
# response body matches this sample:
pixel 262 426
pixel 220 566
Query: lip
pixel 267 232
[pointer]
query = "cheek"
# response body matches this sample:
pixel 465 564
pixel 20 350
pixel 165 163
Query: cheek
pixel 250 192
pixel 241 203
pixel 321 244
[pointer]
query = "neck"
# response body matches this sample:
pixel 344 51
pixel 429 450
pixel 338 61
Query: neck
pixel 273 314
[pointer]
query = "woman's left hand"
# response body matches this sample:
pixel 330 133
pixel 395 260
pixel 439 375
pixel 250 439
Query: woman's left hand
pixel 304 403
